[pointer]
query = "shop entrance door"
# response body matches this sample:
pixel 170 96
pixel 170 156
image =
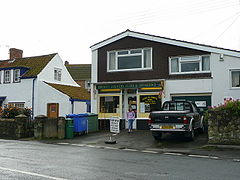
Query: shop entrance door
pixel 130 101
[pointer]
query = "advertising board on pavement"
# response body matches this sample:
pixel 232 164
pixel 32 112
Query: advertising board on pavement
pixel 114 125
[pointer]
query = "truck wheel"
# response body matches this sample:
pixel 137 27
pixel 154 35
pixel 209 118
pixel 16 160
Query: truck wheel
pixel 191 135
pixel 202 128
pixel 157 135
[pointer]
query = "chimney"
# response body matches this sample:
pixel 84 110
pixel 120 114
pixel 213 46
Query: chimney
pixel 66 63
pixel 15 53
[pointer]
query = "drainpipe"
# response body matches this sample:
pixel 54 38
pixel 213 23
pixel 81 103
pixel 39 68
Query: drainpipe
pixel 33 88
pixel 72 102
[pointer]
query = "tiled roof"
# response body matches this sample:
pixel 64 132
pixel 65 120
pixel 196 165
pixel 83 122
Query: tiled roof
pixel 35 64
pixel 72 91
pixel 80 71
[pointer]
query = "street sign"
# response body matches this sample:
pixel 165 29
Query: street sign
pixel 114 125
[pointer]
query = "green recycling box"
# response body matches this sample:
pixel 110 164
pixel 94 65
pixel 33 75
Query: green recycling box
pixel 69 128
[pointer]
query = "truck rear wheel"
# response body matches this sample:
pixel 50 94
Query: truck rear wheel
pixel 157 135
pixel 191 135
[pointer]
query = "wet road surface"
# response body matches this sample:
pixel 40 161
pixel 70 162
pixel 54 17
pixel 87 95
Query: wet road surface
pixel 34 160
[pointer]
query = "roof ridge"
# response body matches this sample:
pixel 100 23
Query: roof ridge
pixel 30 57
pixel 183 41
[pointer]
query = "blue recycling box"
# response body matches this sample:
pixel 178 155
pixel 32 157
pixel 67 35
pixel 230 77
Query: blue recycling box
pixel 79 122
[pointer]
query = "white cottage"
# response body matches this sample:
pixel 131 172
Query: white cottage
pixel 41 83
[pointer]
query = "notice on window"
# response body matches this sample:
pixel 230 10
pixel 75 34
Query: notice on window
pixel 108 98
pixel 142 107
pixel 115 125
pixel 201 103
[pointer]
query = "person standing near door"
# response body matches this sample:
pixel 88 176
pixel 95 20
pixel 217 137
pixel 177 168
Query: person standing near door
pixel 130 118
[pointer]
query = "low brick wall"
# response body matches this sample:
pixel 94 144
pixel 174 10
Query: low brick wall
pixel 15 128
pixel 223 127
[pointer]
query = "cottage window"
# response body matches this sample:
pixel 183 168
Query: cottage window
pixel 134 59
pixel 7 76
pixel 235 78
pixel 57 74
pixel 16 75
pixel 17 104
pixel 189 64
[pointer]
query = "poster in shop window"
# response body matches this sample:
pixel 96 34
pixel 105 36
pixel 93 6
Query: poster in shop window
pixel 142 107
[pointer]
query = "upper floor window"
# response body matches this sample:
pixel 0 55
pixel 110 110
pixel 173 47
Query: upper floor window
pixel 16 75
pixel 189 64
pixel 7 76
pixel 57 74
pixel 134 59
pixel 235 74
pixel 0 77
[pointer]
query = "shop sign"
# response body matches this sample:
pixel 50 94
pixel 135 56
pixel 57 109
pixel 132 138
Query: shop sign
pixel 131 85
pixel 149 99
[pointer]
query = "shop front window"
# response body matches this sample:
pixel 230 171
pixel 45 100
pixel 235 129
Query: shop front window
pixel 109 104
pixel 149 103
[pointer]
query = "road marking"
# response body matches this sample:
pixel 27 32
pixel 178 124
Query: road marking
pixel 201 156
pixel 175 154
pixel 130 150
pixel 236 160
pixel 110 148
pixel 32 174
pixel 144 151
pixel 154 152
pixel 91 146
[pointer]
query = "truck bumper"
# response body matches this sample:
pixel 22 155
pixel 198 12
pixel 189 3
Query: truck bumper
pixel 169 127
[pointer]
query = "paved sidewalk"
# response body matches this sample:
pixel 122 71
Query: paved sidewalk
pixel 143 141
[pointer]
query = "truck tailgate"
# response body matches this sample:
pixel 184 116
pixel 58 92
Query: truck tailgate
pixel 167 116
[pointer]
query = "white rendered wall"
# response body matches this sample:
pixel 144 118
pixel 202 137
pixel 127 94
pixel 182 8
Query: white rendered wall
pixel 17 92
pixel 47 74
pixel 94 78
pixel 45 94
pixel 80 107
pixel 222 79
pixel 190 86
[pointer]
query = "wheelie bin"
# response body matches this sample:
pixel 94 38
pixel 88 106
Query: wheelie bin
pixel 69 128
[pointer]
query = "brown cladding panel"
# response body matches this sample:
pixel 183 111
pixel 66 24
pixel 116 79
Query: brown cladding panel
pixel 161 53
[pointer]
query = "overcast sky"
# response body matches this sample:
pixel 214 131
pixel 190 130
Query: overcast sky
pixel 70 27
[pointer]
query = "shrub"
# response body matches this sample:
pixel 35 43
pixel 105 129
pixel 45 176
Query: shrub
pixel 11 111
pixel 230 107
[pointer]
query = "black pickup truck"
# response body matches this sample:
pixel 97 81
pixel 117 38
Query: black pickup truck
pixel 176 117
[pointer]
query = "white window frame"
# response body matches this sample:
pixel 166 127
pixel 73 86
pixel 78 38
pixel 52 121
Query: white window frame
pixel 230 75
pixel 129 54
pixel 199 60
pixel 58 74
pixel 16 79
pixel 8 78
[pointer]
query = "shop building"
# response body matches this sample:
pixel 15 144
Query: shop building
pixel 142 71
